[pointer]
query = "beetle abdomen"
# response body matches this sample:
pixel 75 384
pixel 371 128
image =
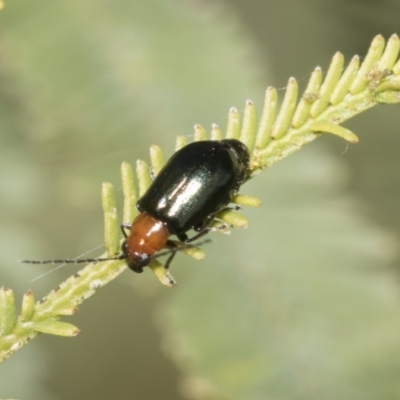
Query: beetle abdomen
pixel 198 181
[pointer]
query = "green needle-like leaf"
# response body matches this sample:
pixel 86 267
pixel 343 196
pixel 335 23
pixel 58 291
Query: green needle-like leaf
pixel 8 316
pixel 111 226
pixel 234 124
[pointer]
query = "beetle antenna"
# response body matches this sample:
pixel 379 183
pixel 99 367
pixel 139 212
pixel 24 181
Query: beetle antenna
pixel 117 257
pixel 74 260
pixel 61 265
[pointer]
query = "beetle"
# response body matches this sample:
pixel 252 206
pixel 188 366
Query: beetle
pixel 198 182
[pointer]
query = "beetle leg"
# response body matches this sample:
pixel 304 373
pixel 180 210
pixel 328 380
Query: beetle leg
pixel 205 224
pixel 202 229
pixel 205 227
pixel 235 207
pixel 125 226
pixel 203 232
pixel 174 247
pixel 182 237
pixel 223 226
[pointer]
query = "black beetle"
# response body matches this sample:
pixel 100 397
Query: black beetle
pixel 196 183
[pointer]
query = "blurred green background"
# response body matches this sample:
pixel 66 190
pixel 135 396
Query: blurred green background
pixel 304 304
